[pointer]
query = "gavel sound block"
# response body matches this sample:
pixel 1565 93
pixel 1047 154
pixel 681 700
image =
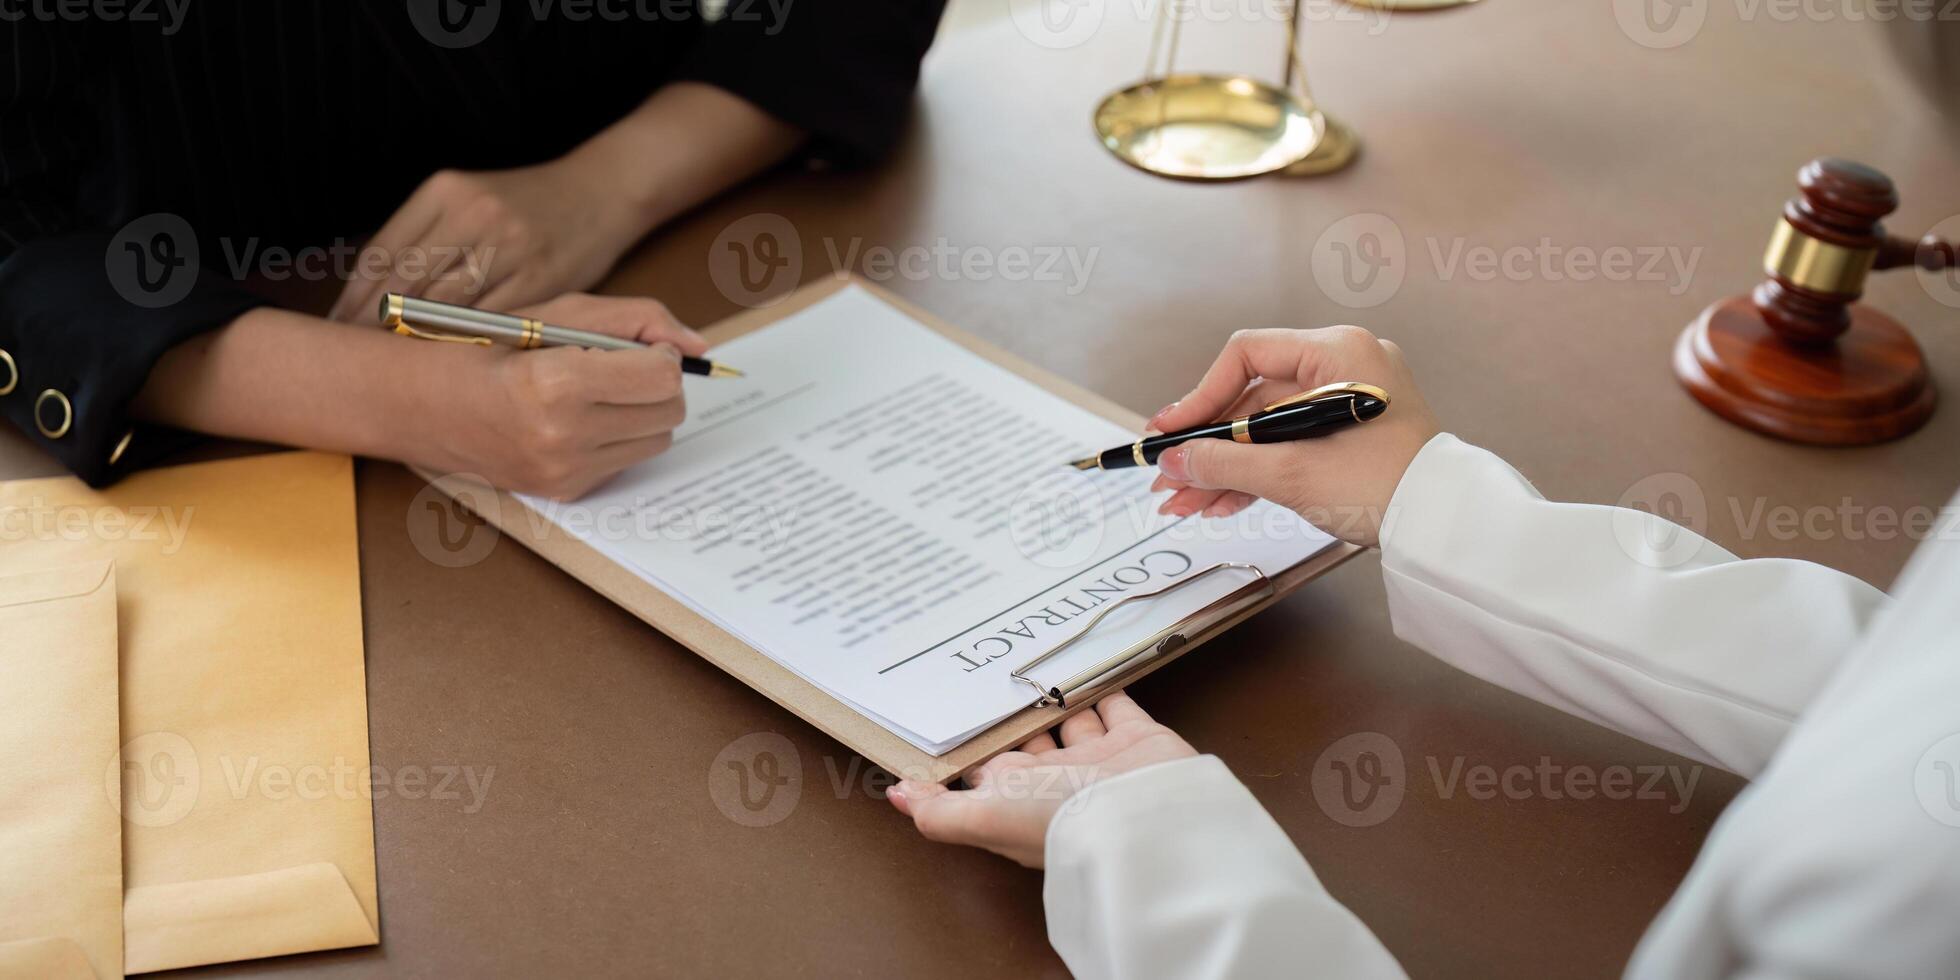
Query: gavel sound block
pixel 1799 358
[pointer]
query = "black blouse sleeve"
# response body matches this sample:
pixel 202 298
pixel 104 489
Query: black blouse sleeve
pixel 844 70
pixel 85 311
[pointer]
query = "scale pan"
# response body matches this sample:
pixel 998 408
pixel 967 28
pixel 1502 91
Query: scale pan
pixel 1208 127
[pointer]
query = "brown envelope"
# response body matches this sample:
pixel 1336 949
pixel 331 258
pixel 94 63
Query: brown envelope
pixel 247 826
pixel 60 839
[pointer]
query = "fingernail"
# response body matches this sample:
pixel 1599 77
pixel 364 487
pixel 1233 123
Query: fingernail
pixel 909 789
pixel 1174 465
pixel 1166 410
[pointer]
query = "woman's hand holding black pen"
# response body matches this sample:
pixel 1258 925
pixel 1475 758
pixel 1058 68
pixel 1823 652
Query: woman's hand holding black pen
pixel 1341 483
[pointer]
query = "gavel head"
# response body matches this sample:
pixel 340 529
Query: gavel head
pixel 1822 248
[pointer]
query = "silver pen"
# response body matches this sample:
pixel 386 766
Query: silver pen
pixel 426 319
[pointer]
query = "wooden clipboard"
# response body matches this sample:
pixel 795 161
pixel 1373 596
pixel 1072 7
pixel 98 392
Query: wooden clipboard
pixel 810 703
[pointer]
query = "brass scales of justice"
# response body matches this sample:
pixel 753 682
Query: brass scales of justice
pixel 1210 127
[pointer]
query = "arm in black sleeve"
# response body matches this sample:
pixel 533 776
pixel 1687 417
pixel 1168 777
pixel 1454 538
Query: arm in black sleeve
pixel 843 70
pixel 85 312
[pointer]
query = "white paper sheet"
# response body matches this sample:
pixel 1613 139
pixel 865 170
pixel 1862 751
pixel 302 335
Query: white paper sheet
pixel 888 515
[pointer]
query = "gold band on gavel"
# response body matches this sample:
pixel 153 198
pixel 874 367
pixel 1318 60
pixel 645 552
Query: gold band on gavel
pixel 1815 264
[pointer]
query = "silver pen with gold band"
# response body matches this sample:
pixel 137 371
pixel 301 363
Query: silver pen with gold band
pixel 1322 410
pixel 427 319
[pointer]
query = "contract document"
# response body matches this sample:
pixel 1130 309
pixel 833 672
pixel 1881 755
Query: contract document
pixel 890 515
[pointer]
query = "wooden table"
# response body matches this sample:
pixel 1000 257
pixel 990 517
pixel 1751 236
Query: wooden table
pixel 599 849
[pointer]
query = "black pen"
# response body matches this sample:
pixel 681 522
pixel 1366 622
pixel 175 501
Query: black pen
pixel 1328 408
pixel 427 319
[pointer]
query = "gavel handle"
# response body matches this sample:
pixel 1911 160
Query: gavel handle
pixel 1927 253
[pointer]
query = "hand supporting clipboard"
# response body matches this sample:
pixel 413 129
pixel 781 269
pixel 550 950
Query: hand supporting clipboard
pixel 1111 671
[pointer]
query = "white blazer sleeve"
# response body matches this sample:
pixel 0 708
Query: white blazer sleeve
pixel 1176 871
pixel 1611 614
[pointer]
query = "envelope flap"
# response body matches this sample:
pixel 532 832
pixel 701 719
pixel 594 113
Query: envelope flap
pixel 293 910
pixel 59 582
pixel 47 958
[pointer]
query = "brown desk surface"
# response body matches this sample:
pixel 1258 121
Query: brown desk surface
pixel 599 849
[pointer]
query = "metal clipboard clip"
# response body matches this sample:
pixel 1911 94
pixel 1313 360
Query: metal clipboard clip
pixel 1165 641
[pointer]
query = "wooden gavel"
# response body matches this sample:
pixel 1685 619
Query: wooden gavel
pixel 1799 357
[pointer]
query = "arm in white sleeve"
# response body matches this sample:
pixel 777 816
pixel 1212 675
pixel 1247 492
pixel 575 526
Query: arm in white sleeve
pixel 1614 615
pixel 1176 871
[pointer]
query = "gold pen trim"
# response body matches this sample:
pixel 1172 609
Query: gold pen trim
pixel 407 331
pixel 1325 391
pixel 1136 452
pixel 533 335
pixel 1242 429
pixel 391 310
